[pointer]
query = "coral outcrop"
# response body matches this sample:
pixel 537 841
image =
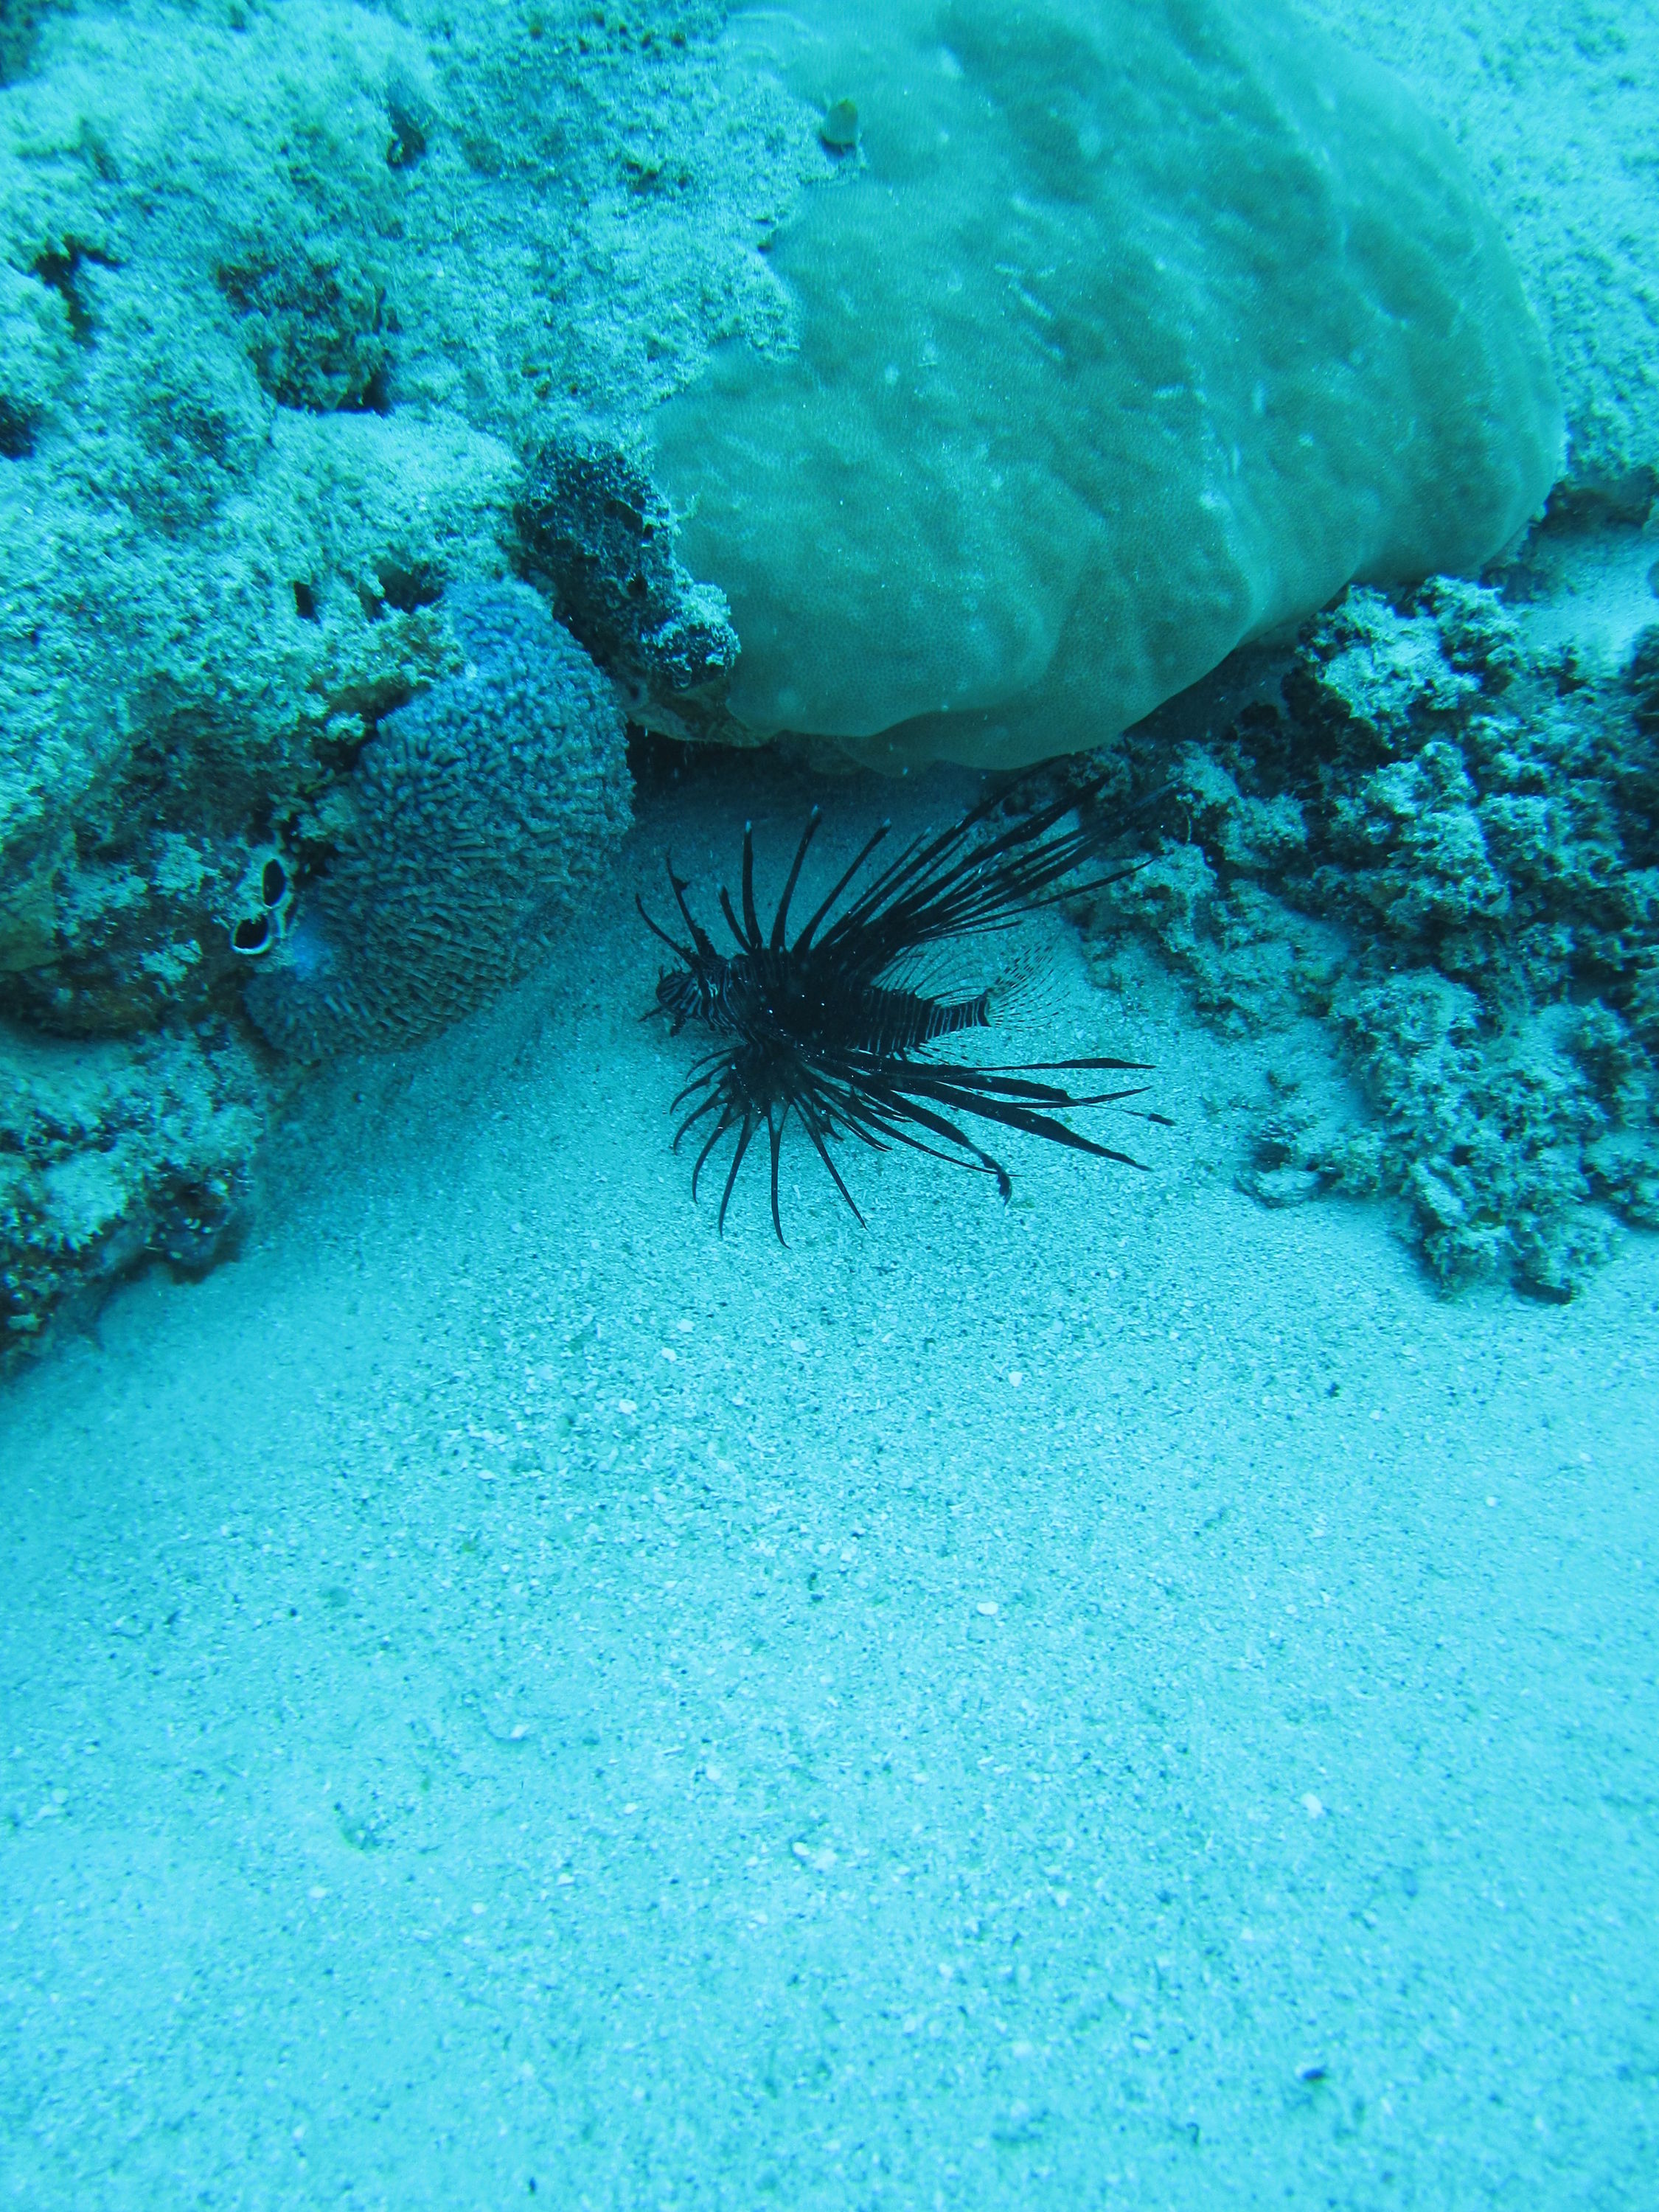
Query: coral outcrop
pixel 287 296
pixel 114 1153
pixel 1135 330
pixel 596 528
pixel 1443 844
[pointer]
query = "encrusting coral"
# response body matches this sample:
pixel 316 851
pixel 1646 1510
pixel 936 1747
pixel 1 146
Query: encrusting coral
pixel 114 1151
pixel 601 533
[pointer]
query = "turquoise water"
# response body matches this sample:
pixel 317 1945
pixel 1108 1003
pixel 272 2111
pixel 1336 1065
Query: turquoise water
pixel 1141 1695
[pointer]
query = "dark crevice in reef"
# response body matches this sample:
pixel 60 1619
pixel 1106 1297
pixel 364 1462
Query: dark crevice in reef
pixel 408 588
pixel 316 325
pixel 60 272
pixel 16 431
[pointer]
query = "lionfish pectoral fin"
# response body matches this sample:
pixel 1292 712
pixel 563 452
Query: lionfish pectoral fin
pixel 1006 1100
pixel 809 1115
pixel 1048 1066
pixel 722 1127
pixel 1044 1125
pixel 691 1121
pixel 905 1109
pixel 701 1079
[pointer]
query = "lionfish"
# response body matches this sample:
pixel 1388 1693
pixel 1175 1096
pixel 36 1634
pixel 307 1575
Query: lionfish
pixel 833 1027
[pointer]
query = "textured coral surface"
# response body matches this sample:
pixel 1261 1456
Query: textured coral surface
pixel 480 811
pixel 288 295
pixel 113 1154
pixel 1136 332
pixel 1553 107
pixel 1442 844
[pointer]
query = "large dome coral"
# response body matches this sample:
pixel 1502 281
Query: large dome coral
pixel 1133 330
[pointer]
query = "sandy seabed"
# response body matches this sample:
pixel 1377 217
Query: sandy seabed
pixel 1125 1698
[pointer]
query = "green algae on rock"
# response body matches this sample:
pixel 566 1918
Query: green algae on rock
pixel 1137 333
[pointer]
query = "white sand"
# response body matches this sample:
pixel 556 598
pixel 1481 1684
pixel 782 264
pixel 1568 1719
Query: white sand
pixel 1122 1699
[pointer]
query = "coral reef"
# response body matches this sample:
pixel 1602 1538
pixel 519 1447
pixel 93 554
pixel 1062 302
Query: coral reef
pixel 113 1154
pixel 310 316
pixel 147 927
pixel 285 294
pixel 1444 845
pixel 1062 429
pixel 597 529
pixel 478 811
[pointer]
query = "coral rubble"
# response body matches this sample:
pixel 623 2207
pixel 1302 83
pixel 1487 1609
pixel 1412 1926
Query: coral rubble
pixel 1445 845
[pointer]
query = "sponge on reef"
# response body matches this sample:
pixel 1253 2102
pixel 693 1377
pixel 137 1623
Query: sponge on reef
pixel 1132 331
pixel 481 808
